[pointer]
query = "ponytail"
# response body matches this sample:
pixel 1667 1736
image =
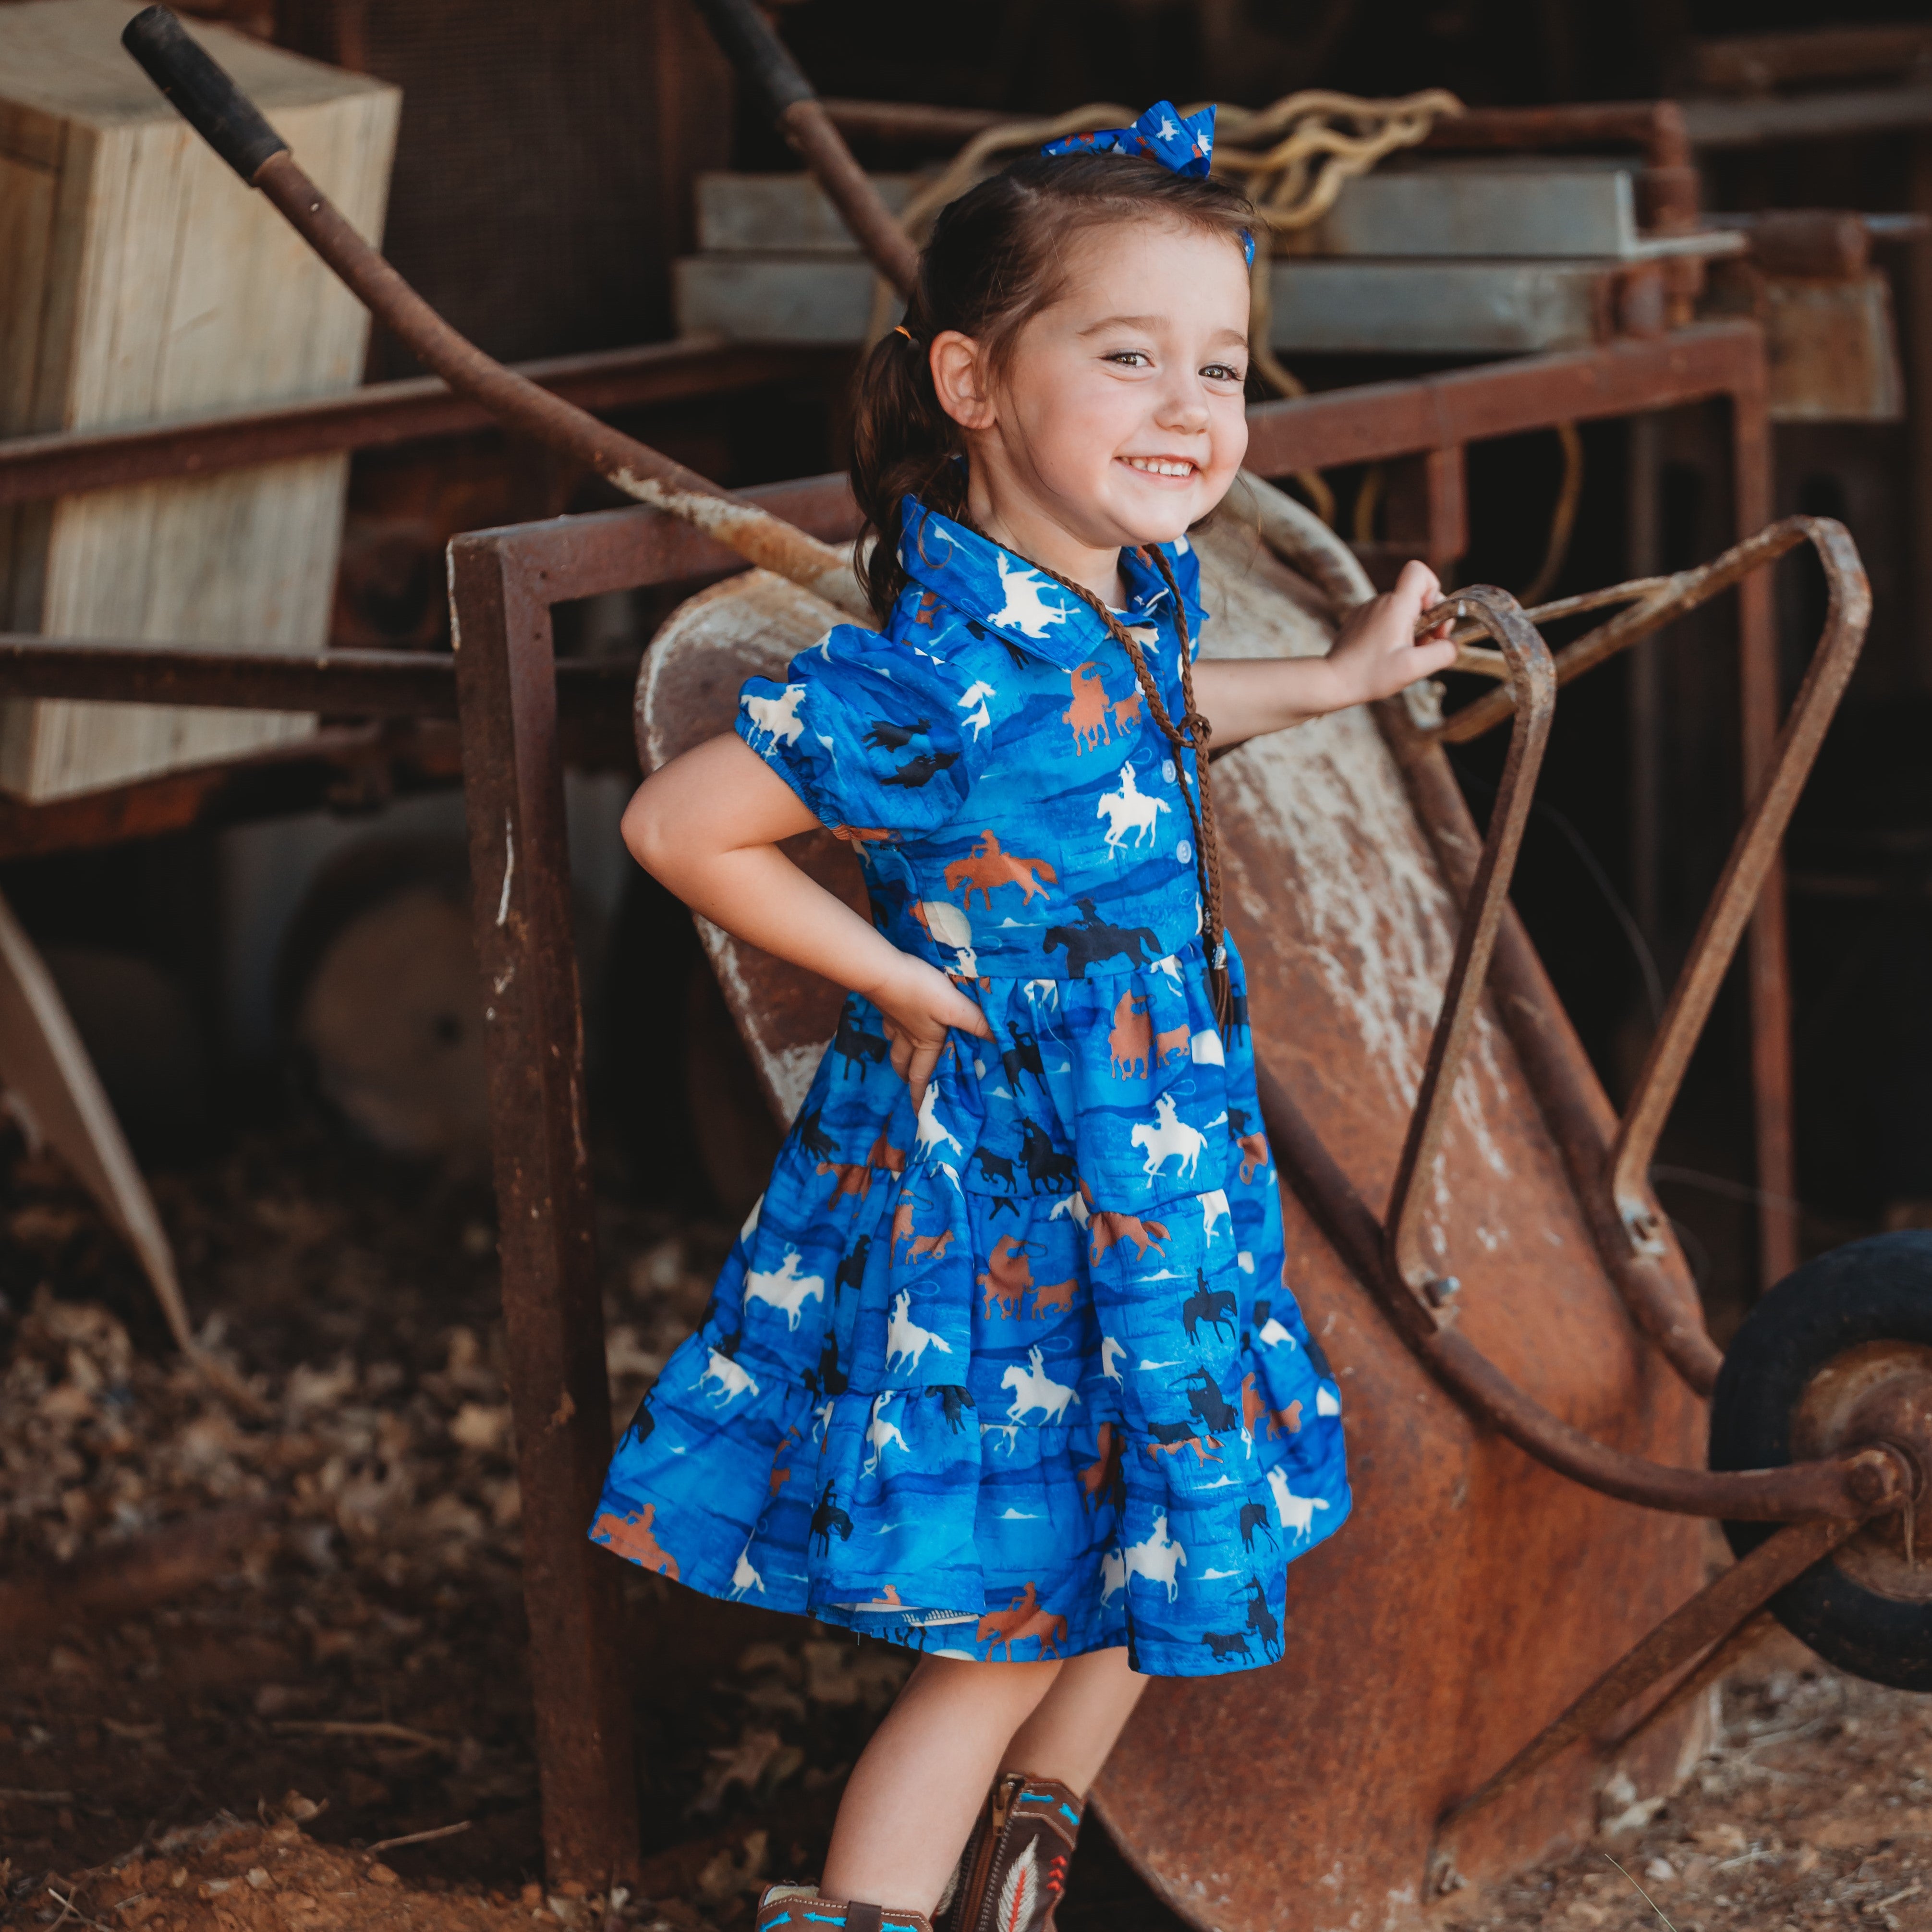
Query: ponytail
pixel 903 445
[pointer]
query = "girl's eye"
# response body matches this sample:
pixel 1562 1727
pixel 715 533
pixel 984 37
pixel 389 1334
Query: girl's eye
pixel 1132 358
pixel 1223 372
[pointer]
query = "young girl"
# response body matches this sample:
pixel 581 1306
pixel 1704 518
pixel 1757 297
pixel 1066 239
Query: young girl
pixel 1003 1367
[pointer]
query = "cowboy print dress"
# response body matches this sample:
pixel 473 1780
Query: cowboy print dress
pixel 1018 1375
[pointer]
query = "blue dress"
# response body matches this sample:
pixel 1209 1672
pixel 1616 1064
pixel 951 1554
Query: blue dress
pixel 1019 1376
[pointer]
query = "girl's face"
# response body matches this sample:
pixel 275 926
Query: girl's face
pixel 1116 418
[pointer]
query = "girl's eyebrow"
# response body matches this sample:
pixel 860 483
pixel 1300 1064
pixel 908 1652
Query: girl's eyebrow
pixel 1151 324
pixel 1147 322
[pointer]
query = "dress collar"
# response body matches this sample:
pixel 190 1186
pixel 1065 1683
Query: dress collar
pixel 993 587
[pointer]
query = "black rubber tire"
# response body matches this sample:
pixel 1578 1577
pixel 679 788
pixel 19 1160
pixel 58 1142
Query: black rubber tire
pixel 1877 1290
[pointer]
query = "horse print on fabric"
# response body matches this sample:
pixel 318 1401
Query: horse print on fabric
pixel 1015 1373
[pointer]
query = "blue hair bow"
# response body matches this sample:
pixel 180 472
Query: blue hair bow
pixel 1183 142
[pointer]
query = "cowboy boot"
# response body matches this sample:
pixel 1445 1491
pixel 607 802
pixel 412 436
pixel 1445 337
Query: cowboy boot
pixel 1014 1867
pixel 799 1908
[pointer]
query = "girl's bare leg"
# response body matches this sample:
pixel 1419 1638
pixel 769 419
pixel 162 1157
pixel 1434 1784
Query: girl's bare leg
pixel 918 1786
pixel 1072 1729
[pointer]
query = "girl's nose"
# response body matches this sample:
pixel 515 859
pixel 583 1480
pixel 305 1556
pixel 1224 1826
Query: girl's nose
pixel 1184 409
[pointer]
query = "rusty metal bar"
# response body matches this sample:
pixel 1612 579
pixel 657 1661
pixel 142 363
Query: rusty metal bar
pixel 1656 1286
pixel 1753 64
pixel 1708 1618
pixel 1532 687
pixel 378 416
pixel 343 684
pixel 806 126
pixel 1653 603
pixel 1373 421
pixel 1862 1483
pixel 621 460
pixel 1655 127
pixel 1718 1662
pixel 911 120
pixel 1750 868
pixel 745 34
pixel 207 98
pixel 1768 961
pixel 350 766
pixel 559 1390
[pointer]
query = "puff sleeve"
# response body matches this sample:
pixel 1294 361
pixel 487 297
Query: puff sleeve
pixel 864 731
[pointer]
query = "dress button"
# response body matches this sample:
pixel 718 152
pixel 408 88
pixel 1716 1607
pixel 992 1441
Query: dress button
pixel 1167 769
pixel 1184 852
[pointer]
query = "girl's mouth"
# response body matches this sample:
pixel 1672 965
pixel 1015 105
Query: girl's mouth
pixel 1176 467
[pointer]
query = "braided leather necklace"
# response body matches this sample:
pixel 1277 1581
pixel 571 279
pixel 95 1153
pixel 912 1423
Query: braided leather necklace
pixel 1192 734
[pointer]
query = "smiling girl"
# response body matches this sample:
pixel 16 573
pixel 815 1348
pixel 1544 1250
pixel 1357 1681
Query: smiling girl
pixel 1004 1367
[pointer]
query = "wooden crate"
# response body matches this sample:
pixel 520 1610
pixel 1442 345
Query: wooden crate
pixel 141 280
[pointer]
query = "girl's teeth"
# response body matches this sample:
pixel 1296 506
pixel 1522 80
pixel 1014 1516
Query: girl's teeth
pixel 1156 469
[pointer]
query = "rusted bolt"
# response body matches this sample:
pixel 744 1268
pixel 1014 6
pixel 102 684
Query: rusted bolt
pixel 1873 1477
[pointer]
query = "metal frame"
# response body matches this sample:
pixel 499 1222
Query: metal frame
pixel 382 415
pixel 517 710
pixel 1432 419
pixel 503 583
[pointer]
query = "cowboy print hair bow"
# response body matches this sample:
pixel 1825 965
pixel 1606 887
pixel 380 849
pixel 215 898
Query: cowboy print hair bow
pixel 1183 142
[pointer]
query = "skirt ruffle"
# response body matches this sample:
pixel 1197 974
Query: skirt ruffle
pixel 1001 1421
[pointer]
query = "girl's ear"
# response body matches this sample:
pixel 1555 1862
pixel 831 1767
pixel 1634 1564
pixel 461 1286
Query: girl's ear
pixel 959 380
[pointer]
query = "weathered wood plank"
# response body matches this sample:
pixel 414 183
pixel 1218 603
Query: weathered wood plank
pixel 1499 205
pixel 1490 207
pixel 740 214
pixel 1320 303
pixel 152 284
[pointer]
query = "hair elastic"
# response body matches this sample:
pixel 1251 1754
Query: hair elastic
pixel 900 329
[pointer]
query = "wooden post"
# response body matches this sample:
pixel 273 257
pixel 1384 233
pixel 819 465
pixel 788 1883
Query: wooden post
pixel 533 1031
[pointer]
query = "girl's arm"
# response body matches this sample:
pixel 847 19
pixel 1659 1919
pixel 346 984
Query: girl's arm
pixel 707 826
pixel 1376 654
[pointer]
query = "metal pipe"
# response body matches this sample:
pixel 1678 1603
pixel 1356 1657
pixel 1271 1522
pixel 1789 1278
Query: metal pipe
pixel 209 100
pixel 1532 687
pixel 764 62
pixel 1864 1482
pixel 1707 1619
pixel 1656 1286
pixel 378 415
pixel 1748 869
pixel 341 683
pixel 1655 602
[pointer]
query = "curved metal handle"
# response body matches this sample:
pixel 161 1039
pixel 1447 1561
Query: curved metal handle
pixel 634 468
pixel 203 93
pixel 1847 614
pixel 741 29
pixel 1531 673
pixel 748 41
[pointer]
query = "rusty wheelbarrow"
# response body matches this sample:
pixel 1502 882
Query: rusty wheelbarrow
pixel 1518 1333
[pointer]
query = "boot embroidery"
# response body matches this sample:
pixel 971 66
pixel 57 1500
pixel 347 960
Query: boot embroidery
pixel 1014 1910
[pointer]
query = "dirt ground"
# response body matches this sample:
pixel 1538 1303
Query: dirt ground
pixel 265 1671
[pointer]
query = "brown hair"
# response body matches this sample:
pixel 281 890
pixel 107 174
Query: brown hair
pixel 997 258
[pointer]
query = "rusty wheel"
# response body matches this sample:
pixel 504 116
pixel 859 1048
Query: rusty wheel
pixel 1841 1352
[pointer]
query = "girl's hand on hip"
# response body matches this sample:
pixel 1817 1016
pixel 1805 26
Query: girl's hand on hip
pixel 1378 653
pixel 919 1005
